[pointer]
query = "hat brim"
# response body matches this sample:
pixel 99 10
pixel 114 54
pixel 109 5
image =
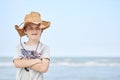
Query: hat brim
pixel 44 25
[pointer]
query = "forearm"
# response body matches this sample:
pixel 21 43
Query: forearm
pixel 41 67
pixel 22 63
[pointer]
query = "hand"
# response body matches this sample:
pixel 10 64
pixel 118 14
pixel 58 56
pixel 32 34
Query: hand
pixel 38 60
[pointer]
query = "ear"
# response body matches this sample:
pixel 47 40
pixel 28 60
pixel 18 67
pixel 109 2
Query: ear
pixel 25 32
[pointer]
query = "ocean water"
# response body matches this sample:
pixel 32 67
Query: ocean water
pixel 71 68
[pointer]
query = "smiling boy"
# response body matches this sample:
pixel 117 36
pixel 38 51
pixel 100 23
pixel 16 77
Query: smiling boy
pixel 32 58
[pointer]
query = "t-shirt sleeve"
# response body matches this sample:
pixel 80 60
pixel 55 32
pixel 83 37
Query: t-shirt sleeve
pixel 46 52
pixel 18 52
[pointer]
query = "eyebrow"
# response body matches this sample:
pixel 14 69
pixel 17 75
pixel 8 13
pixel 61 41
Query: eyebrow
pixel 32 26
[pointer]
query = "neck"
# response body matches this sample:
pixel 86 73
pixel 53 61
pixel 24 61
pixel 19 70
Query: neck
pixel 32 42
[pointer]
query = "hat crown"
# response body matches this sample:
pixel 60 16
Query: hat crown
pixel 33 17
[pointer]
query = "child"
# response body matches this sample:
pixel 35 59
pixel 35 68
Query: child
pixel 32 57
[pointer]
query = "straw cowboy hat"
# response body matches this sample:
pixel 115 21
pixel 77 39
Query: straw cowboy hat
pixel 33 17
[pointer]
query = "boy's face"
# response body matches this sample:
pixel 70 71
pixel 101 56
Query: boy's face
pixel 33 31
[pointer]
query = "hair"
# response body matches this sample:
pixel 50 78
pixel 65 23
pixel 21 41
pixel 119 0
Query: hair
pixel 25 26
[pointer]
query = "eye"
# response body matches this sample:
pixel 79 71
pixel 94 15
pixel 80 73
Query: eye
pixel 37 28
pixel 29 28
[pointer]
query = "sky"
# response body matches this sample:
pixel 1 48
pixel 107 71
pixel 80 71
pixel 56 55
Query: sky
pixel 79 28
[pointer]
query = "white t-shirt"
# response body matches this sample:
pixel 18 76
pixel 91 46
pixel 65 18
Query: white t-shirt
pixel 42 51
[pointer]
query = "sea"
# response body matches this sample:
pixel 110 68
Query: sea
pixel 71 68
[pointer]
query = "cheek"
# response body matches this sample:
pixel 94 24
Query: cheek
pixel 40 33
pixel 27 33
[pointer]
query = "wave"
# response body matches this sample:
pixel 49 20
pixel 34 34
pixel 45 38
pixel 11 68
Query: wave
pixel 6 64
pixel 72 64
pixel 86 64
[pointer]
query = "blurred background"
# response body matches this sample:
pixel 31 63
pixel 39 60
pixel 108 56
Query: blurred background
pixel 83 37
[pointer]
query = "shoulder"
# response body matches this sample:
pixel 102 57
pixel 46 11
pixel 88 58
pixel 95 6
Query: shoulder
pixel 45 51
pixel 18 46
pixel 43 45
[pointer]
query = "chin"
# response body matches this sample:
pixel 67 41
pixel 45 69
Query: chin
pixel 34 38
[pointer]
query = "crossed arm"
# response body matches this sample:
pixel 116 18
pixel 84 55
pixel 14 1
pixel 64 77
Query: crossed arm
pixel 35 64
